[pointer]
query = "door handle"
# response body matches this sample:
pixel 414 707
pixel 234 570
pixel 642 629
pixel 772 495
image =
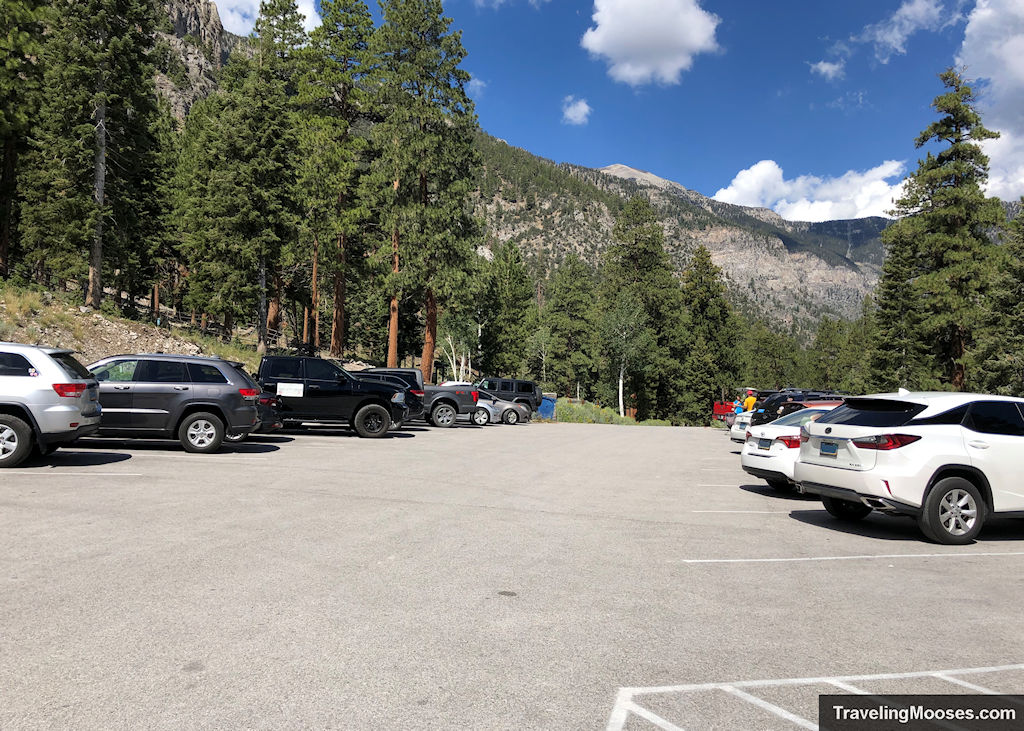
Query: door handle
pixel 122 388
pixel 977 444
pixel 181 388
pixel 313 387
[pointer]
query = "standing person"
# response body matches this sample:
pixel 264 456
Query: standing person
pixel 737 406
pixel 748 402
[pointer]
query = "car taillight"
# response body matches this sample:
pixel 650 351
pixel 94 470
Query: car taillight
pixel 248 392
pixel 267 400
pixel 417 392
pixel 791 442
pixel 885 442
pixel 475 395
pixel 748 434
pixel 804 436
pixel 69 390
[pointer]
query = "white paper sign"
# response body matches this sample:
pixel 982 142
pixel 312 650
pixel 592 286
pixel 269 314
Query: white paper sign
pixel 290 389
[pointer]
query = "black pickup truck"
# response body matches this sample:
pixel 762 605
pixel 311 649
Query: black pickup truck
pixel 318 390
pixel 442 405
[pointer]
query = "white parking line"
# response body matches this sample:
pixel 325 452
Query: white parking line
pixel 851 558
pixel 626 703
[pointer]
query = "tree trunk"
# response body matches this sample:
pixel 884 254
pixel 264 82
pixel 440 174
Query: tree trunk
pixel 393 307
pixel 229 326
pixel 8 190
pixel 622 374
pixel 193 318
pixel 305 325
pixel 203 323
pixel 316 292
pixel 155 303
pixel 338 320
pixel 274 309
pixel 261 315
pixel 429 338
pixel 94 295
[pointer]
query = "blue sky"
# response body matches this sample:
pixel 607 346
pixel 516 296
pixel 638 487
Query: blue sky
pixel 810 108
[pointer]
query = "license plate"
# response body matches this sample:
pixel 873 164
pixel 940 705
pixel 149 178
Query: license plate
pixel 764 443
pixel 829 449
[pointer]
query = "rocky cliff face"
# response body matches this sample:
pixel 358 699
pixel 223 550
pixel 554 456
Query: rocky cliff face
pixel 192 47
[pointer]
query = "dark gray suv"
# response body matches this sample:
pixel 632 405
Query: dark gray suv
pixel 194 399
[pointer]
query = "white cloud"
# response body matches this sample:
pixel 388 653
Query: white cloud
pixel 854 194
pixel 475 88
pixel 575 111
pixel 239 16
pixel 993 50
pixel 890 36
pixel 649 40
pixel 831 70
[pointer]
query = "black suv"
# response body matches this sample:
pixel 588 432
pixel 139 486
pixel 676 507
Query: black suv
pixel 194 399
pixel 527 393
pixel 318 390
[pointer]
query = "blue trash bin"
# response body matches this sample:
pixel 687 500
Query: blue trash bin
pixel 547 408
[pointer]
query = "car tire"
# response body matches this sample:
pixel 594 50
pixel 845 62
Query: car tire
pixel 443 415
pixel 235 438
pixel 845 510
pixel 481 417
pixel 511 416
pixel 781 485
pixel 201 433
pixel 372 421
pixel 953 513
pixel 15 441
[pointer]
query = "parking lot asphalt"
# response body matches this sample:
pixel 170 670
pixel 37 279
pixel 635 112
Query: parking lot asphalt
pixel 549 576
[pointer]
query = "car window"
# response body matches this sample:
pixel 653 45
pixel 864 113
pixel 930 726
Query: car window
pixel 205 373
pixel 873 412
pixel 119 371
pixel 161 371
pixel 321 370
pixel 246 378
pixel 507 386
pixel 525 387
pixel 70 365
pixel 953 416
pixel 799 418
pixel 14 364
pixel 490 385
pixel 995 417
pixel 285 368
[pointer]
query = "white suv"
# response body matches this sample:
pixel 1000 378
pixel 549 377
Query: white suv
pixel 47 399
pixel 948 459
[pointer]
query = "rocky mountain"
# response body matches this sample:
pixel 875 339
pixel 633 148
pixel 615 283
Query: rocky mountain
pixel 792 272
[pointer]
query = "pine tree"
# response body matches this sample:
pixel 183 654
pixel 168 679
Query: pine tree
pixel 944 226
pixel 21 38
pixel 570 315
pixel 506 313
pixel 94 139
pixel 1000 352
pixel 331 101
pixel 710 316
pixel 423 174
pixel 636 262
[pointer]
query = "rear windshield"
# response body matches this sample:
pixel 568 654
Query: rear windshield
pixel 799 418
pixel 873 412
pixel 72 367
pixel 246 378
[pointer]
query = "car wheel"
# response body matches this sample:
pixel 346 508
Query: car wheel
pixel 235 438
pixel 782 486
pixel 372 421
pixel 481 417
pixel 953 512
pixel 15 440
pixel 845 509
pixel 511 416
pixel 443 415
pixel 201 433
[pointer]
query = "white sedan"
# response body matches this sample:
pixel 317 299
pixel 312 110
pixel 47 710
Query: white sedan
pixel 738 431
pixel 771 450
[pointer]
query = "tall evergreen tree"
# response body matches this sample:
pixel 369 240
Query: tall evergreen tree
pixel 21 37
pixel 332 100
pixel 94 138
pixel 423 173
pixel 506 313
pixel 710 316
pixel 570 315
pixel 1000 352
pixel 944 226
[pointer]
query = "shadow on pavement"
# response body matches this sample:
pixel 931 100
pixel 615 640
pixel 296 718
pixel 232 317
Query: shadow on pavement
pixel 168 445
pixel 780 495
pixel 904 528
pixel 326 431
pixel 70 458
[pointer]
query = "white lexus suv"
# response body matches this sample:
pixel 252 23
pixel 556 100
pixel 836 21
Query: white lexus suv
pixel 948 459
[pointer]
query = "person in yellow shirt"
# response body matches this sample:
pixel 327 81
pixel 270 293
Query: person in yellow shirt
pixel 749 401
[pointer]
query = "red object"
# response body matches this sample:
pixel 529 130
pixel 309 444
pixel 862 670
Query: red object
pixel 791 442
pixel 417 392
pixel 475 395
pixel 249 392
pixel 886 442
pixel 69 390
